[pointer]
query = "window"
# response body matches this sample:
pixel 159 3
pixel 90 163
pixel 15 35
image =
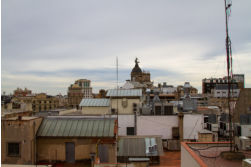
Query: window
pixel 130 131
pixel 134 107
pixel 205 119
pixel 113 111
pixel 13 149
pixel 168 110
pixel 157 110
pixel 124 102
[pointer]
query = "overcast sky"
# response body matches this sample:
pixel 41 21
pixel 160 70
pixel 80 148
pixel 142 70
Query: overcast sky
pixel 47 45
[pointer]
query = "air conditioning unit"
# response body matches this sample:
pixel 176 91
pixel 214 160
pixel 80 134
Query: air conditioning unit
pixel 243 143
pixel 152 149
pixel 215 127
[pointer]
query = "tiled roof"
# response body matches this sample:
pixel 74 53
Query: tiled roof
pixel 124 93
pixel 76 127
pixel 95 103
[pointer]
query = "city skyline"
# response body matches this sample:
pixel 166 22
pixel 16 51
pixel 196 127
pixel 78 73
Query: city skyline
pixel 46 45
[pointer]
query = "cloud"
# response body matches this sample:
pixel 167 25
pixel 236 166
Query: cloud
pixel 61 41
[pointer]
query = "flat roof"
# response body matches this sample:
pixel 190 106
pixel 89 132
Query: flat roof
pixel 207 154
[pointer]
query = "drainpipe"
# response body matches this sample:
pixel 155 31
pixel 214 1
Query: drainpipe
pixel 97 160
pixel 135 122
pixel 34 143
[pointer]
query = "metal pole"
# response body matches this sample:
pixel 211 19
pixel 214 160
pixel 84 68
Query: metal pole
pixel 117 74
pixel 228 78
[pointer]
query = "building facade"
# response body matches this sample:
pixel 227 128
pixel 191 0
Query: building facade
pixel 124 101
pixel 79 90
pixel 44 102
pixel 20 92
pixel 76 139
pixel 209 84
pixel 18 144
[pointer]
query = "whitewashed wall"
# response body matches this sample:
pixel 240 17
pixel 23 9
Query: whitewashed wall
pixel 187 159
pixel 193 123
pixel 246 130
pixel 125 121
pixel 157 125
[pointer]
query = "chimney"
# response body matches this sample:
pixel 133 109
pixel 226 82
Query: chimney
pixel 181 116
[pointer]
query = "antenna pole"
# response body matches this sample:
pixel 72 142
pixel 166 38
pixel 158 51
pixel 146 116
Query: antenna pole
pixel 117 74
pixel 229 79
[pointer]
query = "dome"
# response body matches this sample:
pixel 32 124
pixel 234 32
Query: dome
pixel 136 68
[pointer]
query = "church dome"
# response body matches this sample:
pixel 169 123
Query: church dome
pixel 136 68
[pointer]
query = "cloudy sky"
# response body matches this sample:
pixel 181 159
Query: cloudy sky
pixel 47 45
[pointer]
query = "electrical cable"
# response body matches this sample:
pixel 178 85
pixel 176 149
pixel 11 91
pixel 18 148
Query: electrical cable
pixel 197 149
pixel 193 128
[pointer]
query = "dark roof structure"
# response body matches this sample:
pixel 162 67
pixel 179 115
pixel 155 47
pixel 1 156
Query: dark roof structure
pixel 136 68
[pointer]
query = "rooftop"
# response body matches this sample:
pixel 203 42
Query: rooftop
pixel 95 102
pixel 208 154
pixel 124 93
pixel 76 127
pixel 138 146
pixel 23 118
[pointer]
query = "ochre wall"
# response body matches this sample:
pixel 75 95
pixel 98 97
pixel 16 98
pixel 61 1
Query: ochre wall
pixel 95 110
pixel 205 137
pixel 22 132
pixel 125 110
pixel 49 149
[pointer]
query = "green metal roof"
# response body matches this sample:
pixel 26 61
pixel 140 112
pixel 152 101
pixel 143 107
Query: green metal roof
pixel 76 127
pixel 124 93
pixel 95 103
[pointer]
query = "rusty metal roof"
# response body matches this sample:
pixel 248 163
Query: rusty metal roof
pixel 76 127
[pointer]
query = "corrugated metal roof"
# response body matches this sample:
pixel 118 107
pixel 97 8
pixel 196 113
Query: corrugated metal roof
pixel 95 103
pixel 136 146
pixel 72 127
pixel 124 92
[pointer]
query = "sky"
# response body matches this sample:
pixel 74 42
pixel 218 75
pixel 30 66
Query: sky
pixel 47 45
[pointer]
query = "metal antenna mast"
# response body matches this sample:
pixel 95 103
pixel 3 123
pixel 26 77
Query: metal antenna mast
pixel 117 74
pixel 229 72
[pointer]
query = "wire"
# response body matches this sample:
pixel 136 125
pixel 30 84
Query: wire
pixel 193 128
pixel 204 156
pixel 197 149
